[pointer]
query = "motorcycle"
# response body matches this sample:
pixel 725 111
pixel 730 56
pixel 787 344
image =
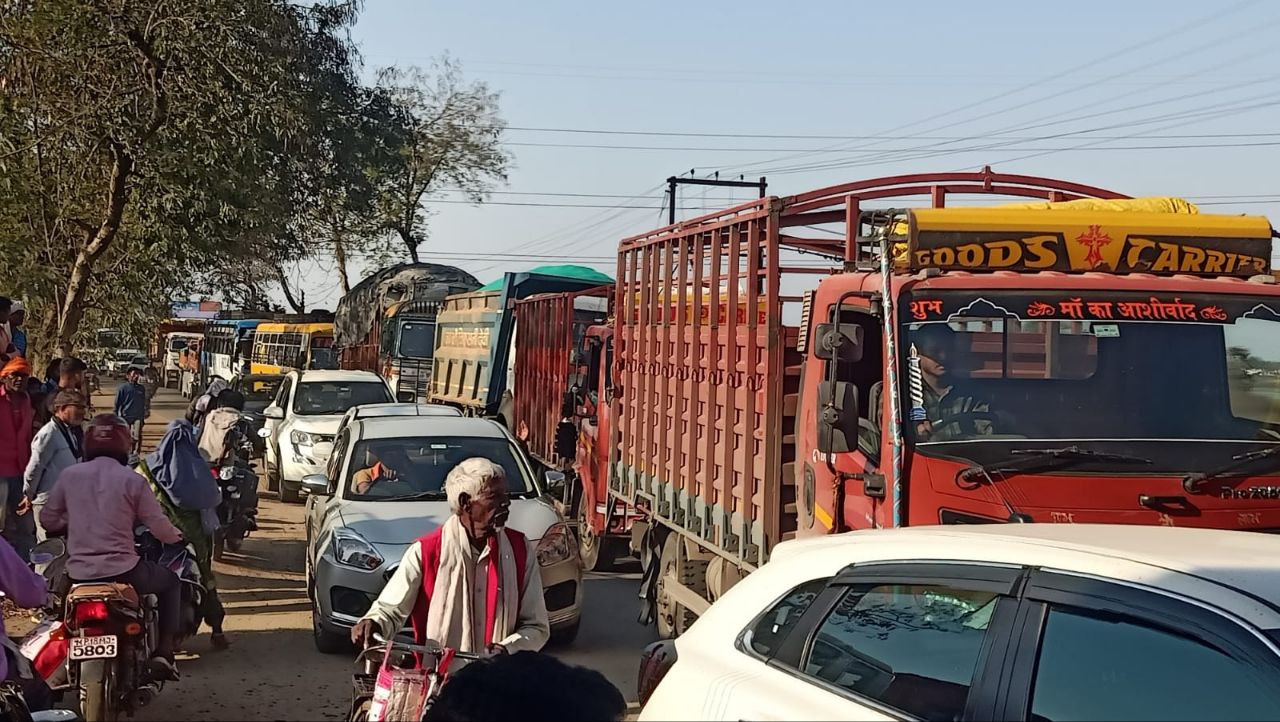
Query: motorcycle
pixel 98 638
pixel 238 482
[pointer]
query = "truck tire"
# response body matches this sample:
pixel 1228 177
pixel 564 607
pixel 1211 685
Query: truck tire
pixel 97 690
pixel 598 553
pixel 672 618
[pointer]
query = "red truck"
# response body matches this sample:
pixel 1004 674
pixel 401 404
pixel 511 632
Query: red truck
pixel 815 364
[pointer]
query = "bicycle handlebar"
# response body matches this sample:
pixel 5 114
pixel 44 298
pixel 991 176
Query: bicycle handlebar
pixel 436 650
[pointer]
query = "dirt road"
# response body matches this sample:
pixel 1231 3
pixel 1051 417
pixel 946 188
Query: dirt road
pixel 273 672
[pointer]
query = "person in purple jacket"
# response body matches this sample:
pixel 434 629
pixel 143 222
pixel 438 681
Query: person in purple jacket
pixel 98 502
pixel 27 590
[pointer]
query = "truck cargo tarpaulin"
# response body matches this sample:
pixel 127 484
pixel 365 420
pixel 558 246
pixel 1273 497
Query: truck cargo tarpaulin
pixel 372 296
pixel 1081 238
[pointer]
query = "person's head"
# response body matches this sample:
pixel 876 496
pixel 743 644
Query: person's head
pixel 935 344
pixel 71 373
pixel 14 375
pixel 477 491
pixel 231 399
pixel 6 307
pixel 527 685
pixel 17 314
pixel 134 374
pixel 51 371
pixel 108 435
pixel 69 406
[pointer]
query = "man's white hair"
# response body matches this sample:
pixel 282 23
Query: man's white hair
pixel 469 477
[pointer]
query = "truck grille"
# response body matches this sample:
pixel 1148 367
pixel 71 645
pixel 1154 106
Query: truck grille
pixel 415 377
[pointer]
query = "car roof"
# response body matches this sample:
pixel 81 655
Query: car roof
pixel 1239 569
pixel 322 376
pixel 400 408
pixel 389 427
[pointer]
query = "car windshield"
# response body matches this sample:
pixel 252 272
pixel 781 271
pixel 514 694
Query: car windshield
pixel 417 339
pixel 140 360
pixel 318 398
pixel 258 393
pixel 396 468
pixel 1111 366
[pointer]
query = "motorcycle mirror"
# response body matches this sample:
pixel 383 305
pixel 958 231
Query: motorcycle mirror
pixel 264 433
pixel 39 558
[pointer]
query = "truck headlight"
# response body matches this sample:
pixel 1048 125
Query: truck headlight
pixel 352 550
pixel 556 545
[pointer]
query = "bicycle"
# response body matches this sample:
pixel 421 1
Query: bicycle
pixel 386 658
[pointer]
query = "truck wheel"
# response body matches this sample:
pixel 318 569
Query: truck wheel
pixel 672 618
pixel 596 552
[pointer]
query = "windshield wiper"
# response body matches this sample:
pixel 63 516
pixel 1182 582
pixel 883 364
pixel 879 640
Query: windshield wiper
pixel 1043 459
pixel 415 497
pixel 1192 482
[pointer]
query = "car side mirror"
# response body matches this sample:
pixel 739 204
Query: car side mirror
pixel 557 483
pixel 837 417
pixel 316 484
pixel 275 413
pixel 838 342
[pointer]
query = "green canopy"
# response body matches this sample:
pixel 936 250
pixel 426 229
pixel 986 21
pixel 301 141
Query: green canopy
pixel 564 271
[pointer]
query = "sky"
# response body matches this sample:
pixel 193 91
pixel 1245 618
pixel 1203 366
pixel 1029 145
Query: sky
pixel 1063 91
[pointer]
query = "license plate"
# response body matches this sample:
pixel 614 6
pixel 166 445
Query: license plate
pixel 103 647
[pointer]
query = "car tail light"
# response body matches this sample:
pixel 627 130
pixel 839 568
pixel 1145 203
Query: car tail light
pixel 654 664
pixel 93 611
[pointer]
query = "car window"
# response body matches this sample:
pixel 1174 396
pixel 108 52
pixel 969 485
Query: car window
pixel 771 629
pixel 392 468
pixel 319 398
pixel 1093 667
pixel 911 647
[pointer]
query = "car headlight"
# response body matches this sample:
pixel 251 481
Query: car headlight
pixel 301 438
pixel 556 545
pixel 352 550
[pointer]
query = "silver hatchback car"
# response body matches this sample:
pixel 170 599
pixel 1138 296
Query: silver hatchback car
pixel 355 540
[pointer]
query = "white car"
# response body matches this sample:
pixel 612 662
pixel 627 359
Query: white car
pixel 302 420
pixel 1016 622
pixel 395 408
pixel 356 537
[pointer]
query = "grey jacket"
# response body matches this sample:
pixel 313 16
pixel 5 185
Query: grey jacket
pixel 50 454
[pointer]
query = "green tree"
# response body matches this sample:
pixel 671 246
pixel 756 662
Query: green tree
pixel 452 139
pixel 147 146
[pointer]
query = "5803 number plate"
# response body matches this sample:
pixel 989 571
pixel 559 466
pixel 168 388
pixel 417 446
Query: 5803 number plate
pixel 103 647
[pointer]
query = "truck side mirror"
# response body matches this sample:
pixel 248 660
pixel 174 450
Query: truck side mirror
pixel 837 417
pixel 838 342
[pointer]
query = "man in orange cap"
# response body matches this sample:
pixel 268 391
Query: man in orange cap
pixel 16 430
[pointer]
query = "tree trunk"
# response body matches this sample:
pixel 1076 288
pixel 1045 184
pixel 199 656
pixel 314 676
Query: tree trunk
pixel 340 259
pixel 96 243
pixel 297 306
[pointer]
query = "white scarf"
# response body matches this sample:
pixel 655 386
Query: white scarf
pixel 449 617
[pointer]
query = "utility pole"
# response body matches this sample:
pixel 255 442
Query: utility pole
pixel 673 182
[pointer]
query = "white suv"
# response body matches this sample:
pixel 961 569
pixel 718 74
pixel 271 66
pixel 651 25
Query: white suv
pixel 303 418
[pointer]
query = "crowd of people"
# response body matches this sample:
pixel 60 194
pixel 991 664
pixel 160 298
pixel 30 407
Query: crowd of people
pixel 472 584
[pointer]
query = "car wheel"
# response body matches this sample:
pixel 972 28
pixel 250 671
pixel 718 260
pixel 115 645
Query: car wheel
pixel 564 636
pixel 674 565
pixel 290 495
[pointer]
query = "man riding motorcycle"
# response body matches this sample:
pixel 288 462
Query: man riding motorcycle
pixel 98 503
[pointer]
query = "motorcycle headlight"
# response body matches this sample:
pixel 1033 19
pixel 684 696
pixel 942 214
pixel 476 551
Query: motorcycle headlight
pixel 352 550
pixel 301 438
pixel 227 473
pixel 557 545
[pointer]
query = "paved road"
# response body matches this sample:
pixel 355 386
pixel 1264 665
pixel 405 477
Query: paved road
pixel 273 672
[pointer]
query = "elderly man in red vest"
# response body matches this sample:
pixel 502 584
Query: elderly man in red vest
pixel 472 585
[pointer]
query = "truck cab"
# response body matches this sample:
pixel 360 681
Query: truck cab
pixel 1144 390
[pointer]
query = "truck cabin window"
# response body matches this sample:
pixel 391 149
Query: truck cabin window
pixel 1214 375
pixel 417 339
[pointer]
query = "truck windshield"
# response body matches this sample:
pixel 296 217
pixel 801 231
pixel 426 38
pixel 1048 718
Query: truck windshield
pixel 177 343
pixel 417 339
pixel 320 398
pixel 1114 367
pixel 414 468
